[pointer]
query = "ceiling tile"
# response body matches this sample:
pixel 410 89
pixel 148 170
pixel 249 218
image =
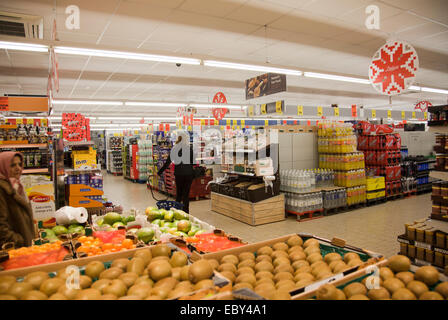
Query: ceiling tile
pixel 217 8
pixel 165 3
pixel 258 12
pixel 401 23
pixel 333 8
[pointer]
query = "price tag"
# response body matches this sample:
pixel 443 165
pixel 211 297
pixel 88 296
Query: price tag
pixel 336 112
pixel 228 122
pixel 136 132
pixel 403 115
pixel 202 122
pixel 413 115
pixel 373 113
pixel 320 111
pixel 278 107
pixel 115 134
pixel 243 122
pixel 426 115
pixel 251 111
pixel 389 113
pixel 253 127
pixel 300 110
pixel 266 123
pixel 45 122
pixel 263 109
pixel 19 121
pixel 189 128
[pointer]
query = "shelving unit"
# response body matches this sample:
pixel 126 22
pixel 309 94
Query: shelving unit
pixel 114 159
pixel 38 170
pixel 22 146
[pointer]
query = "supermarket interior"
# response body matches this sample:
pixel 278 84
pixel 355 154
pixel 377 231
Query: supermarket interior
pixel 224 150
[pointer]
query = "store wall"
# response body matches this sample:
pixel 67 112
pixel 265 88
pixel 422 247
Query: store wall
pixel 418 142
pixel 298 150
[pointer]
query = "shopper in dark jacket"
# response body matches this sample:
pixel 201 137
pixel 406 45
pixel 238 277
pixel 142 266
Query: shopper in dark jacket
pixel 16 217
pixel 183 171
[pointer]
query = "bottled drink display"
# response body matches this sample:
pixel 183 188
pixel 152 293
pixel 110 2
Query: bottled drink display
pixel 301 203
pixel 335 137
pixel 292 180
pixel 335 198
pixel 348 161
pixel 356 195
pixel 350 178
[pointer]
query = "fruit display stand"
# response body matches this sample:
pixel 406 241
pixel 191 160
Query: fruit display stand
pixel 112 270
pixel 337 247
pixel 254 214
pixel 397 278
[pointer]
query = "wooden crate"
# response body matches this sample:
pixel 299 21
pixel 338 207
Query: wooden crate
pixel 254 214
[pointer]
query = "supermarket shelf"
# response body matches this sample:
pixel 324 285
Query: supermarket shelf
pixel 439 175
pixel 17 146
pixel 438 128
pixel 240 173
pixel 38 170
pixel 8 126
pixel 440 108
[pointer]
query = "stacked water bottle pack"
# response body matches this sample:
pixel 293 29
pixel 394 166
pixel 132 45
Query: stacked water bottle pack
pixel 293 180
pixel 303 203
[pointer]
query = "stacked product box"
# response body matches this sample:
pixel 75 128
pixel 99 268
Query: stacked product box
pixel 84 190
pixel 440 201
pixel 376 188
pixel 337 147
pixel 425 242
pixel 382 153
pixel 417 169
pixel 84 159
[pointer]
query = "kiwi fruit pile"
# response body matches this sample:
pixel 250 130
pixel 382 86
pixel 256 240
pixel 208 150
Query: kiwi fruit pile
pixel 153 273
pixel 274 271
pixel 396 282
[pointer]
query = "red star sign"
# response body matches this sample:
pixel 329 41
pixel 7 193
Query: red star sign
pixel 393 68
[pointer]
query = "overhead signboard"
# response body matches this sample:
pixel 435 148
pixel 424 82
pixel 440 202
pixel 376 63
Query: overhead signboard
pixel 264 85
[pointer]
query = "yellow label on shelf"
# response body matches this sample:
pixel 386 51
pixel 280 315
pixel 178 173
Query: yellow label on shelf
pixel 251 111
pixel 373 113
pixel 116 135
pixel 19 121
pixel 403 115
pixel 189 128
pixel 300 110
pixel 136 132
pixel 278 107
pixel 242 123
pixel 253 127
pixel 413 114
pixel 389 113
pixel 266 122
pixel 320 111
pixel 263 109
pixel 426 115
pixel 228 122
pixel 44 122
pixel 336 112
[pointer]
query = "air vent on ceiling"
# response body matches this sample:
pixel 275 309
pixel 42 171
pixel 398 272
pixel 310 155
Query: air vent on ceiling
pixel 21 25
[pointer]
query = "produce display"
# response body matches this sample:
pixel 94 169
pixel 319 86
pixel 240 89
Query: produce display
pixel 53 234
pixel 154 273
pixel 36 255
pixel 113 220
pixel 396 282
pixel 274 271
pixel 93 246
pixel 174 221
pixel 210 242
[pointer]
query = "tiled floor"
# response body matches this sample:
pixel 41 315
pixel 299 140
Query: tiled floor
pixel 374 228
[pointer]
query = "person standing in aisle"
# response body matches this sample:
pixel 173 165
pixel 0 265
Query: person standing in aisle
pixel 16 217
pixel 183 170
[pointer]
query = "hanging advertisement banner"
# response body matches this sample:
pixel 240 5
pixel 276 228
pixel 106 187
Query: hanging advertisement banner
pixel 4 105
pixel 422 105
pixel 264 85
pixel 393 68
pixel 354 111
pixel 219 113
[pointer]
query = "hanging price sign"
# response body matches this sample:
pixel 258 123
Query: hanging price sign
pixel 320 111
pixel 300 110
pixel 336 112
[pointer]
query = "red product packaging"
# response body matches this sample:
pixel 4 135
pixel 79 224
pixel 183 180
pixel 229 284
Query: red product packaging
pixel 363 142
pixel 390 142
pixel 388 188
pixel 383 128
pixel 373 142
pixel 398 156
pixel 390 173
pixel 397 172
pixel 398 140
pixel 366 127
pixel 397 187
pixel 381 158
pixel 370 157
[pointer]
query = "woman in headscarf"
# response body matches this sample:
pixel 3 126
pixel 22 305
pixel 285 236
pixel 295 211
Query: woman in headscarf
pixel 16 217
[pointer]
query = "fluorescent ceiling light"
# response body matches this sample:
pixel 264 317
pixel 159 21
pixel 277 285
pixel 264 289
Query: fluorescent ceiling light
pixel 87 102
pixel 207 106
pixel 23 46
pixel 125 55
pixel 434 90
pixel 251 67
pixel 415 88
pixel 334 77
pixel 155 104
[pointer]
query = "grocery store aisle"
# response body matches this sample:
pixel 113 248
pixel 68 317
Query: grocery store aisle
pixel 374 228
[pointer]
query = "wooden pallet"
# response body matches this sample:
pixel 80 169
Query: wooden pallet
pixel 356 206
pixel 394 197
pixel 407 194
pixel 332 211
pixel 373 202
pixel 308 215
